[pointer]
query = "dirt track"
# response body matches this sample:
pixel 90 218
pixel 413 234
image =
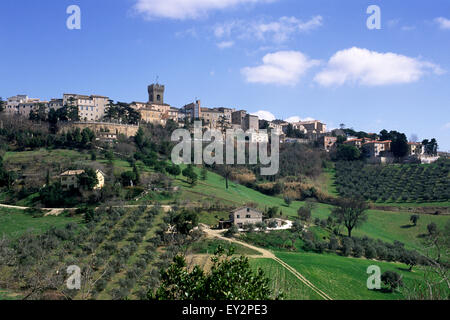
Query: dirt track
pixel 58 211
pixel 266 254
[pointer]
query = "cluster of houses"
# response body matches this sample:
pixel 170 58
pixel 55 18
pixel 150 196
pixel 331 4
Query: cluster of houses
pixel 380 151
pixel 92 110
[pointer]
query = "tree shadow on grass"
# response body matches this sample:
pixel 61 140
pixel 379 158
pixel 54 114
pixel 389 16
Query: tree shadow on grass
pixel 404 269
pixel 382 290
pixel 407 226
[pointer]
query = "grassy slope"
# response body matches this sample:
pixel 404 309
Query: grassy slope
pixel 14 223
pixel 390 226
pixel 45 156
pixel 344 278
pixel 283 281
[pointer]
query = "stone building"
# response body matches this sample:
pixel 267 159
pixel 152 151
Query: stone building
pixel 377 148
pixel 139 105
pixel 90 108
pixel 13 103
pixel 56 104
pixel 310 127
pixel 238 117
pixel 211 117
pixel 192 111
pixel 21 105
pixel 150 115
pixel 244 216
pixel 250 123
pixel 327 143
pixel 155 113
pixel 415 148
pixel 156 94
pixel 354 142
pixel 24 109
pixel 69 179
pixel 102 128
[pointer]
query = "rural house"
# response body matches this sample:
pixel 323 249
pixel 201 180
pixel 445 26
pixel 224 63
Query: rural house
pixel 245 215
pixel 69 179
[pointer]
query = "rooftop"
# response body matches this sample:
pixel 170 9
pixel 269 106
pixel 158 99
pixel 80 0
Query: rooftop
pixel 72 172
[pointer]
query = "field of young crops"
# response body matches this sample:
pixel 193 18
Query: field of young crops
pixel 394 183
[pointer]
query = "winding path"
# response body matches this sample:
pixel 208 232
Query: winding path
pixel 266 254
pixel 58 211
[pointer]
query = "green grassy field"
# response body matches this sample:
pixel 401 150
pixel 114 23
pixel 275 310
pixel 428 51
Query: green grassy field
pixel 283 281
pixel 44 156
pixel 330 186
pixel 14 223
pixel 212 218
pixel 390 226
pixel 6 295
pixel 344 278
pixel 213 189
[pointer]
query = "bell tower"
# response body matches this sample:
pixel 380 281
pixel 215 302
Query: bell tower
pixel 156 94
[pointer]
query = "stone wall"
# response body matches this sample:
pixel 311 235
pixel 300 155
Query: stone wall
pixel 115 128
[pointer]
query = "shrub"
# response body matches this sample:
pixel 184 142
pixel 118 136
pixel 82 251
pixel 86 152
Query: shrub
pixel 347 246
pixel 320 246
pixel 392 279
pixel 358 251
pixel 333 245
pixel 370 252
pixel 231 231
pixel 308 245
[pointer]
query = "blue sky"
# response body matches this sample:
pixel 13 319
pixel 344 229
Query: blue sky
pixel 292 58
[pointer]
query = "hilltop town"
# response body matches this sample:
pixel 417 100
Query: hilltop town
pixel 108 120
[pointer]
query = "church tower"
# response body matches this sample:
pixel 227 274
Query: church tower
pixel 156 94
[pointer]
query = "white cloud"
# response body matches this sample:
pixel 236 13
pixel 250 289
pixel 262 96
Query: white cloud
pixel 186 9
pixel 443 23
pixel 370 68
pixel 278 31
pixel 282 67
pixel 225 44
pixel 264 115
pixel 447 126
pixel 298 119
